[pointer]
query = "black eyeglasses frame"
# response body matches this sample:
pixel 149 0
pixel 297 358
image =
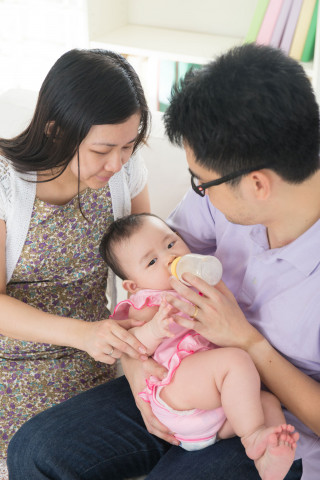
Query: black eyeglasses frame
pixel 201 189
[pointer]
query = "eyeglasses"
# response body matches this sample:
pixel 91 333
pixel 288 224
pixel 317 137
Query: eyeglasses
pixel 201 189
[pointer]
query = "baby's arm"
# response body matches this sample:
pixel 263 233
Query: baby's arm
pixel 156 327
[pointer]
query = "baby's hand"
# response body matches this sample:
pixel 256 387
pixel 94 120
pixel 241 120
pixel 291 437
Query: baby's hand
pixel 161 321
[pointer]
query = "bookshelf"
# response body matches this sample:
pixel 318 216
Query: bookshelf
pixel 35 33
pixel 169 29
pixel 188 31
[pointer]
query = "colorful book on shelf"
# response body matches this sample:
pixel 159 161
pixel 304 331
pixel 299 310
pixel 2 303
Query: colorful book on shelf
pixel 280 23
pixel 301 31
pixel 289 30
pixel 184 67
pixel 256 21
pixel 308 50
pixel 269 22
pixel 170 73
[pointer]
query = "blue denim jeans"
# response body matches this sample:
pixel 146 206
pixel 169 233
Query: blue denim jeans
pixel 100 435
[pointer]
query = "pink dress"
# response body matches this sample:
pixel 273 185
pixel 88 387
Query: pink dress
pixel 194 428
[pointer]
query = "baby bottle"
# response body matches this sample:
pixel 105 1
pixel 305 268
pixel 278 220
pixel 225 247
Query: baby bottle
pixel 204 266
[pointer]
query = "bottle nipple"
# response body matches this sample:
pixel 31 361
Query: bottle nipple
pixel 173 267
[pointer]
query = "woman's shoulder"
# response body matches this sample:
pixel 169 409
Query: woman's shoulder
pixel 135 164
pixel 136 173
pixel 5 187
pixel 15 186
pixel 4 165
pixel 8 176
pixel 5 174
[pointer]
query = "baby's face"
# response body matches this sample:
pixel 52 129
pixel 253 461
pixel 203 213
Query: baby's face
pixel 146 257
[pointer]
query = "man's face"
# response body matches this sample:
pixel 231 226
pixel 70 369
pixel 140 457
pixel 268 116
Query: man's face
pixel 231 200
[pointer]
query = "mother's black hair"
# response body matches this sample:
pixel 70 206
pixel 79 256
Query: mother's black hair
pixel 82 89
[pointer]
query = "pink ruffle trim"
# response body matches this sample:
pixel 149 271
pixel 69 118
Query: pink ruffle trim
pixel 189 344
pixel 141 299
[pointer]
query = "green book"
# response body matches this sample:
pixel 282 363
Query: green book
pixel 169 75
pixel 256 21
pixel 308 50
pixel 167 78
pixel 184 67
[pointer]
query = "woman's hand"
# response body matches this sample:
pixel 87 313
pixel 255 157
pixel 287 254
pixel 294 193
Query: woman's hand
pixel 217 317
pixel 107 340
pixel 136 373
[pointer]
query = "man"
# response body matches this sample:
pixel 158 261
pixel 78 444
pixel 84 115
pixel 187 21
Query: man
pixel 250 125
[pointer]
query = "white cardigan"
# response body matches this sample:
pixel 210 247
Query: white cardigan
pixel 17 198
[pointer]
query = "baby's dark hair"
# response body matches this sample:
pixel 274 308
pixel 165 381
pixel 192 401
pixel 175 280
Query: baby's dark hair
pixel 120 230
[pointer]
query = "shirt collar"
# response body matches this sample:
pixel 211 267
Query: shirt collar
pixel 303 253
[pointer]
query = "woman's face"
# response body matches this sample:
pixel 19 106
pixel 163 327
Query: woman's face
pixel 104 151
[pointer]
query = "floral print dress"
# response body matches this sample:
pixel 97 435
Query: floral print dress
pixel 61 272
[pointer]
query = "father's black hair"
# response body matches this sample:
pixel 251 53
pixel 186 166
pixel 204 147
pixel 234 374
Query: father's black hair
pixel 252 106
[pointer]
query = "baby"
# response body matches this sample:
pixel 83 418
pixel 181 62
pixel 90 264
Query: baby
pixel 209 392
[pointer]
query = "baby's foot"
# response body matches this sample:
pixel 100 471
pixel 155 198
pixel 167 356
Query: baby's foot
pixel 273 450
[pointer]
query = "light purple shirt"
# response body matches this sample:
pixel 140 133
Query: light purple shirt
pixel 277 289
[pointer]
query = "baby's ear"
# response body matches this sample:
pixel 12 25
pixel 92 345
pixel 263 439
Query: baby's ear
pixel 130 286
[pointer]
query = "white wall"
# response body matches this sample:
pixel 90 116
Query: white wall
pixel 224 18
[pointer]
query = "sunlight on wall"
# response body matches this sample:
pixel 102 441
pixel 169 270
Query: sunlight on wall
pixel 33 34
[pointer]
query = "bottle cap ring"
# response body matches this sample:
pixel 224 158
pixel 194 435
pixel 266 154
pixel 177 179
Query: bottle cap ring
pixel 174 267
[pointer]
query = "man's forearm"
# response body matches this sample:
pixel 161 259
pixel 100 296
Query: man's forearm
pixel 296 391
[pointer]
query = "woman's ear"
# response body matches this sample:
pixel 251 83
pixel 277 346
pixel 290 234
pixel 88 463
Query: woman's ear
pixel 50 128
pixel 130 286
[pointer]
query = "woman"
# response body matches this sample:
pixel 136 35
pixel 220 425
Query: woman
pixel 62 181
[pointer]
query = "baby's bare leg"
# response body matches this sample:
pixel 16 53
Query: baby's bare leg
pixel 273 447
pixel 227 377
pixel 222 377
pixel 273 415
